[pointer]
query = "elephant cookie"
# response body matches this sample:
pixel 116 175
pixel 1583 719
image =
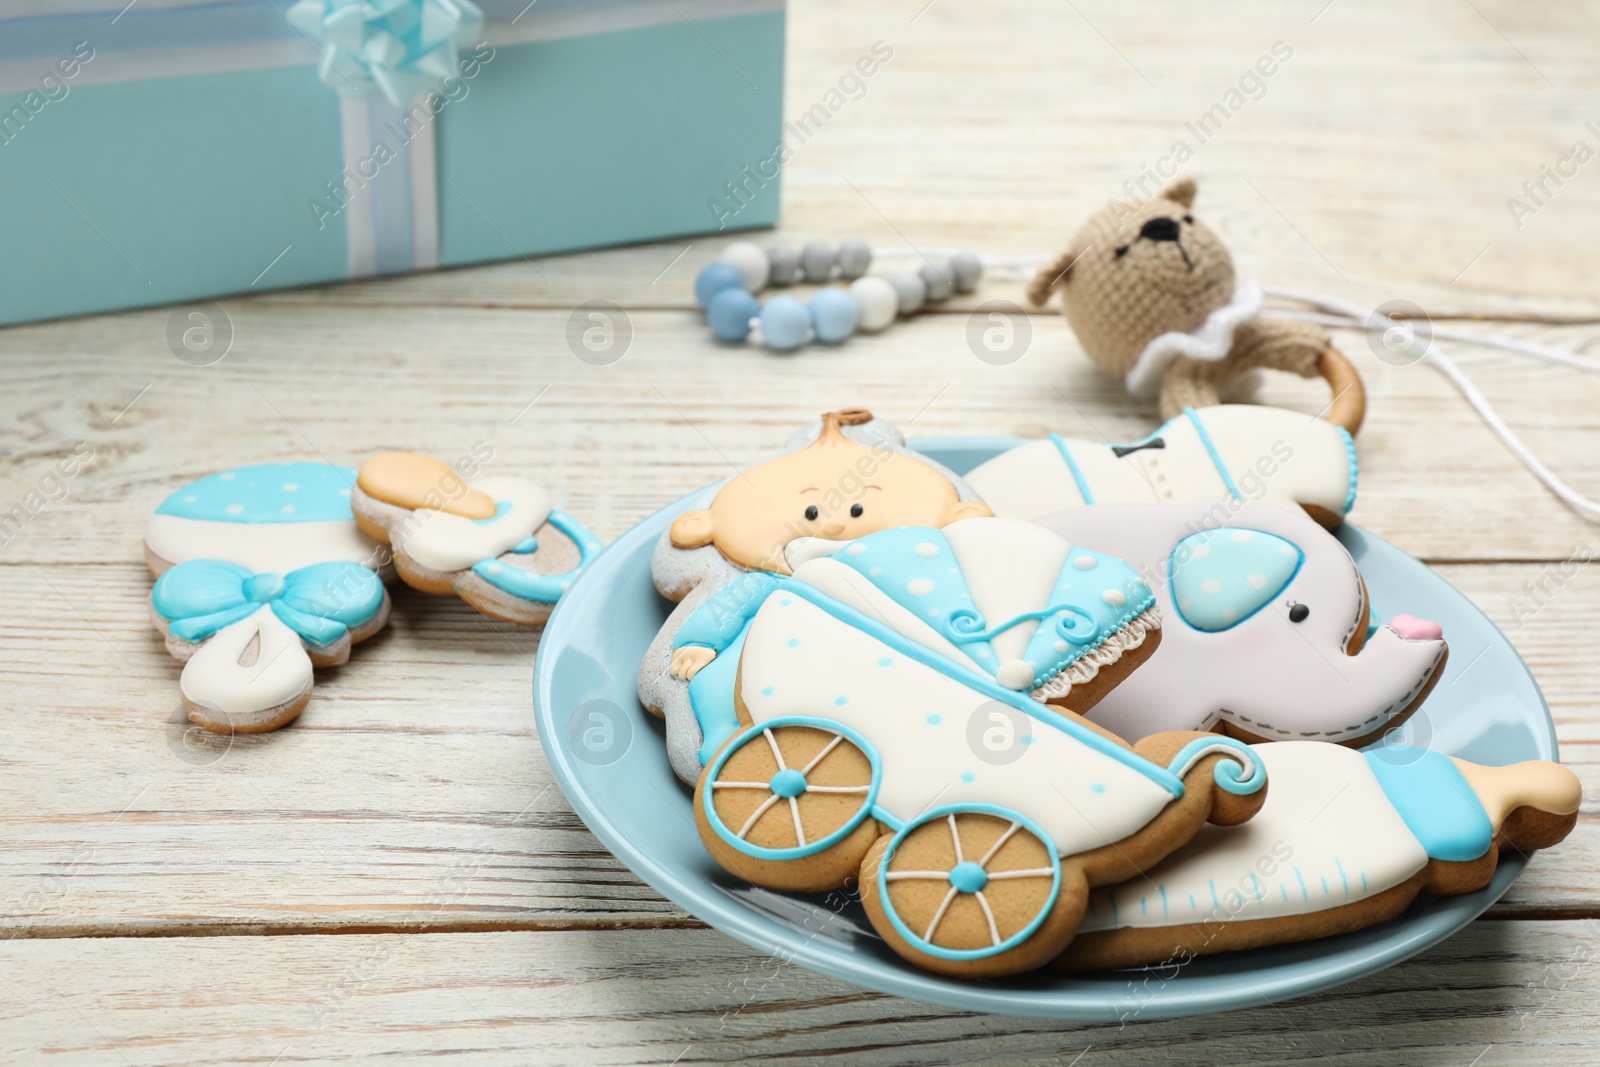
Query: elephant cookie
pixel 496 542
pixel 844 476
pixel 1345 840
pixel 1266 627
pixel 1232 453
pixel 879 717
pixel 262 574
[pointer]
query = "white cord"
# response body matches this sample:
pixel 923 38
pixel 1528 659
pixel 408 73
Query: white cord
pixel 1348 315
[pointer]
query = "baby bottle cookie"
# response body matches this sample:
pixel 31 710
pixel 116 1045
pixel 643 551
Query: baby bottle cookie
pixel 496 541
pixel 262 575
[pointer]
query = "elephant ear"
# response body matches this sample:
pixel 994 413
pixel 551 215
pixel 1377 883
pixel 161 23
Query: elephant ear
pixel 1222 577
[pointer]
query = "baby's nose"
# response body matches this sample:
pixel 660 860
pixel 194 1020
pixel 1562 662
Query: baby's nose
pixel 832 529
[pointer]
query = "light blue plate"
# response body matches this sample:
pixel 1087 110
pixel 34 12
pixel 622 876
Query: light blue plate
pixel 609 757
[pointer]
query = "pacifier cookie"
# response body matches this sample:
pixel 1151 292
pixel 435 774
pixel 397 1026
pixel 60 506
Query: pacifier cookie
pixel 1345 840
pixel 262 575
pixel 495 541
pixel 1267 633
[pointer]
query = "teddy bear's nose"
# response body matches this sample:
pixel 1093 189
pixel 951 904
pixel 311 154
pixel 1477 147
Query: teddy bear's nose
pixel 1160 229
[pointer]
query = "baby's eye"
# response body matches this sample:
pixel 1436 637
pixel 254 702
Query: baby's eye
pixel 1298 612
pixel 812 513
pixel 856 510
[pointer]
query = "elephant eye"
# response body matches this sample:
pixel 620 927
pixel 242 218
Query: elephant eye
pixel 1122 250
pixel 812 513
pixel 1188 218
pixel 1298 612
pixel 856 510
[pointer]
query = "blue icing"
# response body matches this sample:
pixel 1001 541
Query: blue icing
pixel 543 588
pixel 1222 577
pixel 320 602
pixel 1437 804
pixel 1094 596
pixel 268 493
pixel 1355 468
pixel 711 696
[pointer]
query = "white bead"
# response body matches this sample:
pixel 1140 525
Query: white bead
pixel 879 304
pixel 750 262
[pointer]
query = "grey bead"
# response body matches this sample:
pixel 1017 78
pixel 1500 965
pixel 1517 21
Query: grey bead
pixel 937 276
pixel 785 264
pixel 909 290
pixel 816 261
pixel 854 257
pixel 967 269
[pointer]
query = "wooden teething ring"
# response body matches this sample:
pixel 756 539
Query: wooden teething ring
pixel 1349 405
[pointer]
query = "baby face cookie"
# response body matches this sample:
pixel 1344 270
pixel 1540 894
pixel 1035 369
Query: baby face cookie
pixel 1233 452
pixel 1344 841
pixel 495 541
pixel 1265 627
pixel 878 715
pixel 845 476
pixel 262 575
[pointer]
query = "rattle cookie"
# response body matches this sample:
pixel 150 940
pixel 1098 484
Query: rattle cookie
pixel 726 290
pixel 1267 631
pixel 844 476
pixel 496 542
pixel 262 575
pixel 882 722
pixel 1152 295
pixel 1234 453
pixel 1345 840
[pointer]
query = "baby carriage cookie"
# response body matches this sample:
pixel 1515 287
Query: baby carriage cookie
pixel 1345 840
pixel 1266 627
pixel 879 714
pixel 496 542
pixel 844 476
pixel 1233 453
pixel 262 574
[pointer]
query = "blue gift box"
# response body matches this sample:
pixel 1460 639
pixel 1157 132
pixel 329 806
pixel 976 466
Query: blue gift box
pixel 170 149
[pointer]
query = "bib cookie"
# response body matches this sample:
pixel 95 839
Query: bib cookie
pixel 1344 841
pixel 262 575
pixel 1266 627
pixel 1234 452
pixel 879 715
pixel 496 541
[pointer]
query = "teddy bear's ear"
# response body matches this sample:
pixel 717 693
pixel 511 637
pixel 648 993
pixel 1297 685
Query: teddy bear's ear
pixel 1182 191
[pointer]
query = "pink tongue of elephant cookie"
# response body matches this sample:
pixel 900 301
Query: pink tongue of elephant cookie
pixel 408 480
pixel 1414 629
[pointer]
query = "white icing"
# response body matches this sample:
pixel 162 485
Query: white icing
pixel 802 549
pixel 1275 456
pixel 1326 825
pixel 266 548
pixel 1275 678
pixel 833 578
pixel 1209 342
pixel 920 721
pixel 444 542
pixel 1012 568
pixel 281 671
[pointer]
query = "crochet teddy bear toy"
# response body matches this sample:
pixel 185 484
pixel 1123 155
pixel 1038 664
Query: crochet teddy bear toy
pixel 1153 297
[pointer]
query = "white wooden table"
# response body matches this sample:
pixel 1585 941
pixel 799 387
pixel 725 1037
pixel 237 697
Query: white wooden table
pixel 396 876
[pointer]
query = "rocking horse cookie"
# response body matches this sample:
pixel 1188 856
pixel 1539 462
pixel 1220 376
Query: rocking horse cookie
pixel 893 713
pixel 1345 840
pixel 496 541
pixel 262 575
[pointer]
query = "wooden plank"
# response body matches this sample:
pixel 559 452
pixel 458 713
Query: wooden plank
pixel 413 793
pixel 1500 992
pixel 1001 126
pixel 616 442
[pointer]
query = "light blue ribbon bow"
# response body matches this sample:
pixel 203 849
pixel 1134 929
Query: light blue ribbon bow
pixel 401 47
pixel 320 602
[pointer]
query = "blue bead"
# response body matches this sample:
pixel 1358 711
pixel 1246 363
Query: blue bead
pixel 713 279
pixel 834 314
pixel 784 323
pixel 730 313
